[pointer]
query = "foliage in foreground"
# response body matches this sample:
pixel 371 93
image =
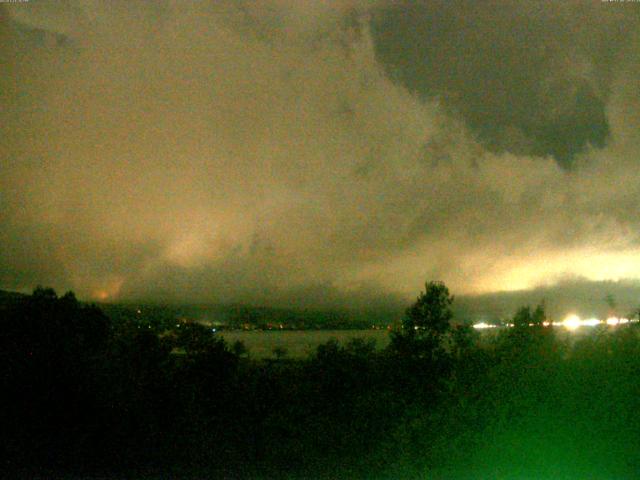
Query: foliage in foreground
pixel 83 395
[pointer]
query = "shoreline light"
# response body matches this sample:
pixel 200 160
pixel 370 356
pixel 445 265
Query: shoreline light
pixel 483 325
pixel 591 322
pixel 572 322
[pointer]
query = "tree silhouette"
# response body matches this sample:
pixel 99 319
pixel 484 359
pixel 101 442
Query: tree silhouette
pixel 280 352
pixel 51 349
pixel 522 317
pixel 197 339
pixel 430 315
pixel 611 303
pixel 424 328
pixel 239 348
pixel 525 317
pixel 539 316
pixel 464 338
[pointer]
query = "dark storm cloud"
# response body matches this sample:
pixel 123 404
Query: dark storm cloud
pixel 529 78
pixel 271 152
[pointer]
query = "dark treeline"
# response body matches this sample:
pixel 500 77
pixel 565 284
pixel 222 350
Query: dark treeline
pixel 82 395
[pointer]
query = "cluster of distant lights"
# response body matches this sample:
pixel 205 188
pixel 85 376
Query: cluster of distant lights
pixel 571 322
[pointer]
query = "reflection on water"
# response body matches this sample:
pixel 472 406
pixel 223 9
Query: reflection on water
pixel 298 343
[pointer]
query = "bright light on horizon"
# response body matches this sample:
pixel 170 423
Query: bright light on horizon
pixel 572 322
pixel 591 322
pixel 483 325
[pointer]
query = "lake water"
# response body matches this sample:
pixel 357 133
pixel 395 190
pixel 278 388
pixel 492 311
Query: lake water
pixel 298 343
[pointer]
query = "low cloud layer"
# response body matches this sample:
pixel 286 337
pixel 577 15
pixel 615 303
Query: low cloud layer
pixel 570 296
pixel 313 152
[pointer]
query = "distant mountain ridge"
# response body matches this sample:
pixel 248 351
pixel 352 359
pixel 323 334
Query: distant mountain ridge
pixel 247 316
pixel 574 296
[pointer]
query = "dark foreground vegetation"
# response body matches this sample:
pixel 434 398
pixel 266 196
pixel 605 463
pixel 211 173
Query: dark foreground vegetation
pixel 82 396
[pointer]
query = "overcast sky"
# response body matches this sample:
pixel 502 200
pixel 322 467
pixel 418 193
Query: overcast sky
pixel 316 152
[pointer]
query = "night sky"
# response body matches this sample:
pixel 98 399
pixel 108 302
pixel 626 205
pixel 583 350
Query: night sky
pixel 317 152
